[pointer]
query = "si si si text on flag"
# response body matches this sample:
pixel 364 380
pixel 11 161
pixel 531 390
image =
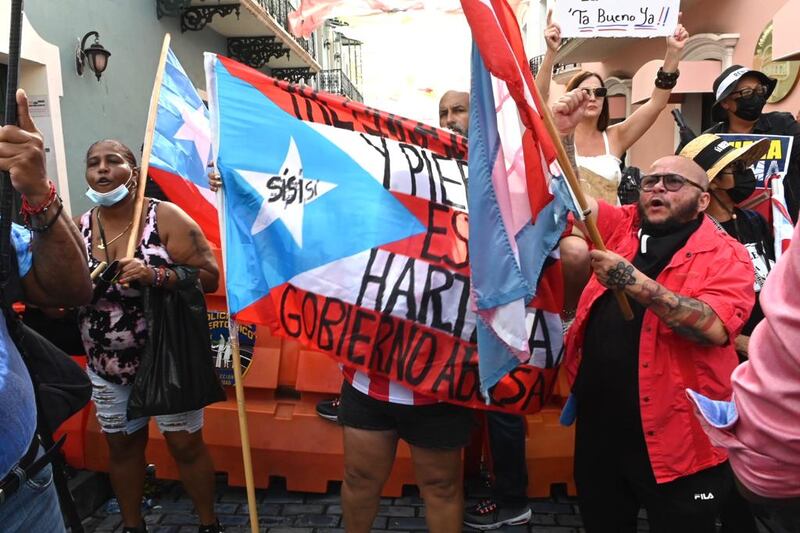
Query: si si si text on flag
pixel 518 201
pixel 346 228
pixel 182 148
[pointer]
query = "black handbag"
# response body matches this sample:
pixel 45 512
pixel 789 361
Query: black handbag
pixel 176 372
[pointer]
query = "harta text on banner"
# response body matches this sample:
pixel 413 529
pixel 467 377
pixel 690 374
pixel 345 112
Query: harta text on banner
pixel 770 173
pixel 616 18
pixel 346 228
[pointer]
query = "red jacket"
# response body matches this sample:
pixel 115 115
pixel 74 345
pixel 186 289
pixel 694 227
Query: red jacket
pixel 711 267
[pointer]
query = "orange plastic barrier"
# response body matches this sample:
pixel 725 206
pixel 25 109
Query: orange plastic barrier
pixel 550 448
pixel 288 439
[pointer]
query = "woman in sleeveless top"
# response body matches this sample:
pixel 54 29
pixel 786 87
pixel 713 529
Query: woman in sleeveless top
pixel 598 151
pixel 113 327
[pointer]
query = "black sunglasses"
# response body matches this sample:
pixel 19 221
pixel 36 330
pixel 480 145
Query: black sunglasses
pixel 747 92
pixel 598 92
pixel 672 182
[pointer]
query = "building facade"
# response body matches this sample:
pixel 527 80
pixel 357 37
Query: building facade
pixel 73 111
pixel 723 33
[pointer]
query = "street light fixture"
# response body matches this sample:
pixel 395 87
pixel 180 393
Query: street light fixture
pixel 96 55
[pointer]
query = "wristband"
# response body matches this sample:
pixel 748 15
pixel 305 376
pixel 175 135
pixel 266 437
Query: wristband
pixel 666 80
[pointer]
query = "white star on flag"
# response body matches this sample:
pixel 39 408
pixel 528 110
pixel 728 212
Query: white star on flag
pixel 287 195
pixel 196 128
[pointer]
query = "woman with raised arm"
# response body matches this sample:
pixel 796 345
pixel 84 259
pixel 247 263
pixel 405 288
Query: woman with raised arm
pixel 599 147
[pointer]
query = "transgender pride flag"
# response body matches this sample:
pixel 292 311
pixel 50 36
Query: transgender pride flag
pixel 518 203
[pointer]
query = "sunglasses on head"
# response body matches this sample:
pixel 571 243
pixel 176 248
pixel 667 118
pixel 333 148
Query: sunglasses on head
pixel 747 92
pixel 598 92
pixel 672 182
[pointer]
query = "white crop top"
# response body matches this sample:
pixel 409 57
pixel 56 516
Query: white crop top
pixel 603 176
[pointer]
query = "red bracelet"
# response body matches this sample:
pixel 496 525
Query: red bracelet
pixel 27 210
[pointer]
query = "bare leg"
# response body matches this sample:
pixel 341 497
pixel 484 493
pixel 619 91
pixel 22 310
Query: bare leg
pixel 196 469
pixel 126 470
pixel 438 475
pixel 577 269
pixel 368 459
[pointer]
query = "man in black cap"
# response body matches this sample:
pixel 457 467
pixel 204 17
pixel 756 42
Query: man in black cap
pixel 741 94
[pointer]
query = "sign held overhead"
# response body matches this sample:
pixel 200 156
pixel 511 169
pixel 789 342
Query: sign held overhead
pixel 616 18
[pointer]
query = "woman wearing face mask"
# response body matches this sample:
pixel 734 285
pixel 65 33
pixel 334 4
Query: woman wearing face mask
pixel 599 147
pixel 113 327
pixel 731 182
pixel 741 95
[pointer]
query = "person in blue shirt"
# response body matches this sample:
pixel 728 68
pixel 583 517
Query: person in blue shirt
pixel 54 273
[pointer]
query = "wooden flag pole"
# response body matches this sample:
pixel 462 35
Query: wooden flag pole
pixel 98 270
pixel 574 184
pixel 148 148
pixel 241 408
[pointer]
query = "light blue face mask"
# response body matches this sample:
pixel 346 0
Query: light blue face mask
pixel 107 199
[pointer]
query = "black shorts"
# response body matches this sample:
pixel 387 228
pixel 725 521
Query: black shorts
pixel 442 426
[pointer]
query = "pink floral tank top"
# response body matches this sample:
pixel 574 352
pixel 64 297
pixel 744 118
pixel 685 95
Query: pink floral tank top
pixel 113 326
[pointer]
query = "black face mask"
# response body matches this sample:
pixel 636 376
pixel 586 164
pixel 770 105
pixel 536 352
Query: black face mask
pixel 750 108
pixel 744 184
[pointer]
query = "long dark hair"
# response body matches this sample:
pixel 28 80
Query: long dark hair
pixel 602 120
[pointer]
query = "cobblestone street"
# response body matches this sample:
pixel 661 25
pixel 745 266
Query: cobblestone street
pixel 281 511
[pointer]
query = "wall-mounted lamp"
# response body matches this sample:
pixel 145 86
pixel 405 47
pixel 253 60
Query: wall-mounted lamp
pixel 95 55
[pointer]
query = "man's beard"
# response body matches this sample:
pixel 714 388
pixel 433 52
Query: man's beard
pixel 683 215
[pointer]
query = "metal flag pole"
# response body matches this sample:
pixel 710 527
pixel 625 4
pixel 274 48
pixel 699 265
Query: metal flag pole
pixel 6 188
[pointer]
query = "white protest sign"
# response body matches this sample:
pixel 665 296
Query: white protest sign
pixel 616 18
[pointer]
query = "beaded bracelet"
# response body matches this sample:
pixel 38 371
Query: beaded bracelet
pixel 27 210
pixel 161 276
pixel 43 212
pixel 158 278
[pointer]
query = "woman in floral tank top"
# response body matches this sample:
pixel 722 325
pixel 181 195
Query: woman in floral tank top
pixel 114 330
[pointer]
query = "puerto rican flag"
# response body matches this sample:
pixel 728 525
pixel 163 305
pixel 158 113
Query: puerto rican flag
pixel 518 200
pixel 346 228
pixel 182 149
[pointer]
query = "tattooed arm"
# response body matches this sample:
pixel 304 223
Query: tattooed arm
pixel 688 317
pixel 187 245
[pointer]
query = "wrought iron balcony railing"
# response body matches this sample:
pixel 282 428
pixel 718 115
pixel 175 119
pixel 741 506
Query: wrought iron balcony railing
pixel 279 10
pixel 336 81
pixel 534 63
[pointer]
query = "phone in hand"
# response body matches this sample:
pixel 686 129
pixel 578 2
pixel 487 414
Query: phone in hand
pixel 111 273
